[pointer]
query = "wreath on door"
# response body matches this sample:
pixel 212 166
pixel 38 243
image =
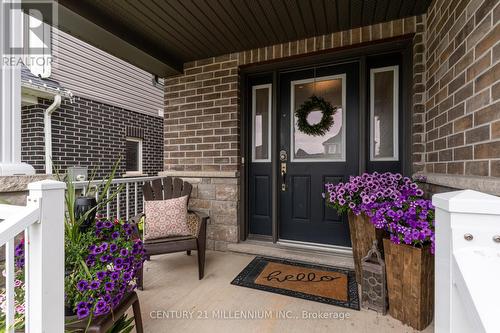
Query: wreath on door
pixel 314 103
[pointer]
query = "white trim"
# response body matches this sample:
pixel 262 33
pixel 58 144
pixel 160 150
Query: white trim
pixel 139 157
pixel 10 96
pixel 395 108
pixel 254 111
pixel 292 118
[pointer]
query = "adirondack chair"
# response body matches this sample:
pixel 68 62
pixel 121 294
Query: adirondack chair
pixel 168 188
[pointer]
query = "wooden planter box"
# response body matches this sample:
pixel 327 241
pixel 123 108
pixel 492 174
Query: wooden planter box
pixel 410 283
pixel 363 233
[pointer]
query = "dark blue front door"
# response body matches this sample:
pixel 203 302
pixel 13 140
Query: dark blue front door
pixel 311 161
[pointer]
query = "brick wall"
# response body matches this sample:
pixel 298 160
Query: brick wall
pixel 201 105
pixel 202 134
pixel 92 134
pixel 462 107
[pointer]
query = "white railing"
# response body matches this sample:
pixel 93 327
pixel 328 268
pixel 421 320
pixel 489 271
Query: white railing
pixel 467 266
pixel 128 203
pixel 42 222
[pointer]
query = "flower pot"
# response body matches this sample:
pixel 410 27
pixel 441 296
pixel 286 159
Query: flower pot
pixel 82 205
pixel 410 283
pixel 363 233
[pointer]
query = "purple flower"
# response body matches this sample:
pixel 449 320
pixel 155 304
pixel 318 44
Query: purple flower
pixel 114 276
pixel 95 284
pixel 127 276
pixel 101 275
pixel 82 305
pixel 115 235
pixel 82 313
pixel 124 252
pixel 113 247
pixel 82 285
pixel 109 286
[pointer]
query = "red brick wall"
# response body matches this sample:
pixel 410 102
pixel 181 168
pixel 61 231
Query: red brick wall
pixel 201 105
pixel 462 107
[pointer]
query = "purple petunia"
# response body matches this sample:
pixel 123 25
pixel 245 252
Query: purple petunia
pixel 113 247
pixel 391 201
pixel 82 313
pixel 94 285
pixel 109 286
pixel 82 285
pixel 101 275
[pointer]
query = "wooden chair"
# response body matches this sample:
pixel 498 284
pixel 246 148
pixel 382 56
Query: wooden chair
pixel 168 188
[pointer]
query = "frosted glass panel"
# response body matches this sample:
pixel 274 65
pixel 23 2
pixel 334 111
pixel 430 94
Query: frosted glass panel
pixel 384 114
pixel 331 146
pixel 261 123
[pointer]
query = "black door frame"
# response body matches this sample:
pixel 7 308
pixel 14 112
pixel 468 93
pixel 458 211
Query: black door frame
pixel 355 53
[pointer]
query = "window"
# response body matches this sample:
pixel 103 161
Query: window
pixel 261 123
pixel 384 110
pixel 331 146
pixel 134 156
pixel 37 45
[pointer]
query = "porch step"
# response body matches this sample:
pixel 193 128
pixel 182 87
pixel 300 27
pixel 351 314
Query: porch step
pixel 284 251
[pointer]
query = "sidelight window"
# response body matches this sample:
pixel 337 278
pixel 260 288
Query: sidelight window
pixel 384 110
pixel 261 123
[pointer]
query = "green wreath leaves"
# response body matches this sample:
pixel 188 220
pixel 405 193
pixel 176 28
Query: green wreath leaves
pixel 314 103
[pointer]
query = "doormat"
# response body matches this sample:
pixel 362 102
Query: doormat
pixel 331 285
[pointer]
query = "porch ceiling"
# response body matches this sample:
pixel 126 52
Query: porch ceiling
pixel 159 36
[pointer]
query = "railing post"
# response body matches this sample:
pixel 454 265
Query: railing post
pixel 45 267
pixel 460 215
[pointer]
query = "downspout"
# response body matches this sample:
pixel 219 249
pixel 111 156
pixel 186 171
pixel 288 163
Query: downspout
pixel 48 132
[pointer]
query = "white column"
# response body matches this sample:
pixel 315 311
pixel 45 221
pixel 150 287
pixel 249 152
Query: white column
pixel 11 28
pixel 45 266
pixel 467 262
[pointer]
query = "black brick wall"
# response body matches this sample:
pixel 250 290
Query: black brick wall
pixel 92 134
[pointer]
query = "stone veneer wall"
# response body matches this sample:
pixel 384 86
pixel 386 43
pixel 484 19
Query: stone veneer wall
pixel 202 120
pixel 462 93
pixel 218 197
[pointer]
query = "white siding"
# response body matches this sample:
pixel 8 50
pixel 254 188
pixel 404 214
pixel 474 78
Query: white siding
pixel 94 74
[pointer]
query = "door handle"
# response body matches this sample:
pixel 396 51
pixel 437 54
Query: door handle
pixel 283 177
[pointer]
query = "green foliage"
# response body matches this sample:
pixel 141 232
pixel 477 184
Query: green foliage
pixel 122 325
pixel 314 103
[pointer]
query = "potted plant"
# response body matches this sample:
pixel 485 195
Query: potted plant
pixel 105 265
pixel 409 258
pixel 356 198
pixel 102 260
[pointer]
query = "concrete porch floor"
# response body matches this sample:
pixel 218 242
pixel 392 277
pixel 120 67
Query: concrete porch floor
pixel 172 288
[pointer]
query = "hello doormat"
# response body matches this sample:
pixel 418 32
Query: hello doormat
pixel 323 284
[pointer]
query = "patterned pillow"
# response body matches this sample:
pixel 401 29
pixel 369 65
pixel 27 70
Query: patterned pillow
pixel 166 218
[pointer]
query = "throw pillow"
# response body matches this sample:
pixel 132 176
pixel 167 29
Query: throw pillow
pixel 166 218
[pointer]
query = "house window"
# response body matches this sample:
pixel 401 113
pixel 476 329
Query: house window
pixel 38 39
pixel 384 110
pixel 134 156
pixel 261 123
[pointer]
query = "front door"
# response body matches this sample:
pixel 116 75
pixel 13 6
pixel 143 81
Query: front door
pixel 307 161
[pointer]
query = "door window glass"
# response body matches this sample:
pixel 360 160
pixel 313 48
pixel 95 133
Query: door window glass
pixel 261 123
pixel 331 146
pixel 384 114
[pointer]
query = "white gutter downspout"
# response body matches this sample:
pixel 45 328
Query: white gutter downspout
pixel 48 132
